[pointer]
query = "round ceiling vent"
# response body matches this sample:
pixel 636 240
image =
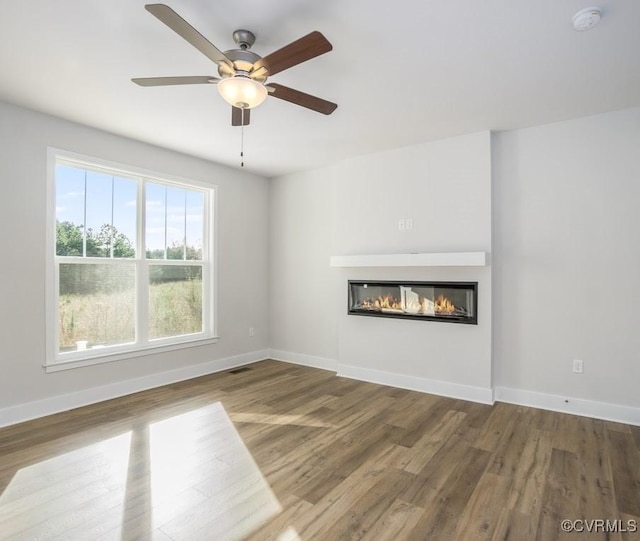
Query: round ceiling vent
pixel 586 19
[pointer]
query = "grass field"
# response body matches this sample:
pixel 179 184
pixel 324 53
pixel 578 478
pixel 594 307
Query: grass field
pixel 175 308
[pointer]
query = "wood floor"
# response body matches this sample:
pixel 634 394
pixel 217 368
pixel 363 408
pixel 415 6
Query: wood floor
pixel 283 452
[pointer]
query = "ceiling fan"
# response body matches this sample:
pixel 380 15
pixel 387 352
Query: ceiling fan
pixel 243 73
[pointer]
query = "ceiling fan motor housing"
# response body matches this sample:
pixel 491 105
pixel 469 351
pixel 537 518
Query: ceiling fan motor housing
pixel 243 61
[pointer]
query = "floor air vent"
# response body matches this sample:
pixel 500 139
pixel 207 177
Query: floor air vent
pixel 240 370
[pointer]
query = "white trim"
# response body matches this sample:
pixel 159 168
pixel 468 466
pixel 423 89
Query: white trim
pixel 312 361
pixel 56 360
pixel 93 162
pixel 413 383
pixel 440 259
pixel 211 217
pixel 161 347
pixel 56 404
pixel 575 406
pixel 51 292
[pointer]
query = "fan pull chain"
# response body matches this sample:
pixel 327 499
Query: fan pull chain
pixel 242 139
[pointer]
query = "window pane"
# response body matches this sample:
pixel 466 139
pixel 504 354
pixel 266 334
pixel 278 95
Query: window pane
pixel 174 222
pixel 175 300
pixel 98 210
pixel 125 200
pixel 69 210
pixel 107 203
pixel 176 216
pixel 111 215
pixel 195 224
pixel 155 220
pixel 96 306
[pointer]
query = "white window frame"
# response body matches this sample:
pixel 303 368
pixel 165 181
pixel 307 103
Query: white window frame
pixel 54 360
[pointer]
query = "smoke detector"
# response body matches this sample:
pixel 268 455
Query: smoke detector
pixel 586 19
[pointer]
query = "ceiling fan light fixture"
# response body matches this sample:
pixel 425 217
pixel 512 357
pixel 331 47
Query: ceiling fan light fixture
pixel 242 91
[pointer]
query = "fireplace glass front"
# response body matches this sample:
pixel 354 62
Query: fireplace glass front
pixel 454 302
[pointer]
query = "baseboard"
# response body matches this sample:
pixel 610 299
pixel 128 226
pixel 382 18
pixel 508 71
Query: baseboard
pixel 413 383
pixel 575 406
pixel 56 404
pixel 303 359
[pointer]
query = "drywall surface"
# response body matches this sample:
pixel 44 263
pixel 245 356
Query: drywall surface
pixel 353 207
pixel 303 294
pixel 566 263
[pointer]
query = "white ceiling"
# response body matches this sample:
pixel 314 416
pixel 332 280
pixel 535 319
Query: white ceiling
pixel 402 72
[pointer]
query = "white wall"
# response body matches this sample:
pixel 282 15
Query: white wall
pixel 353 207
pixel 565 262
pixel 301 226
pixel 567 258
pixel 242 251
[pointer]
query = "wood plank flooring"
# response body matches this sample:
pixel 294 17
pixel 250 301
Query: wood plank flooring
pixel 284 452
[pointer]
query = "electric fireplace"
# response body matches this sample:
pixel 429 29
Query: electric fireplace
pixel 453 302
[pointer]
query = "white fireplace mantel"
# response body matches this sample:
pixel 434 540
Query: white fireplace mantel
pixel 432 259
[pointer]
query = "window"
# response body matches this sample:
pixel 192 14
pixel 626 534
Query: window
pixel 130 263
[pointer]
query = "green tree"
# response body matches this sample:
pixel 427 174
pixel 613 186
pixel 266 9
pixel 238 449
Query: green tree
pixel 69 238
pixel 109 237
pixel 176 251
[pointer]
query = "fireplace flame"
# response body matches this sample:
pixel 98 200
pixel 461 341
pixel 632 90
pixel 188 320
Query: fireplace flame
pixel 442 305
pixel 388 302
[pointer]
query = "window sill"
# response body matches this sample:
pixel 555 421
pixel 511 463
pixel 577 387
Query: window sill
pixel 57 366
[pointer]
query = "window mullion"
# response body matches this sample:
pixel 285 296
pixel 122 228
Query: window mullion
pixel 113 197
pixel 184 238
pixel 84 218
pixel 165 221
pixel 208 259
pixel 142 308
pixel 141 221
pixel 142 270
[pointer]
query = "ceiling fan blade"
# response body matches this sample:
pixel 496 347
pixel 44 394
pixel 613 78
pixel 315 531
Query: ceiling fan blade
pixel 237 117
pixel 300 98
pixel 181 27
pixel 301 50
pixel 166 81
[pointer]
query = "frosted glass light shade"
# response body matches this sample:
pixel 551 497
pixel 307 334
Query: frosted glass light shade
pixel 242 92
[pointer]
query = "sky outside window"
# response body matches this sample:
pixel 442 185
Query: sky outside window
pixel 70 194
pixel 100 198
pixel 174 215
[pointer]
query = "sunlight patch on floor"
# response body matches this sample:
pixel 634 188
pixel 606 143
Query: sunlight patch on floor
pixel 279 419
pixel 290 534
pixel 186 477
pixel 206 452
pixel 90 480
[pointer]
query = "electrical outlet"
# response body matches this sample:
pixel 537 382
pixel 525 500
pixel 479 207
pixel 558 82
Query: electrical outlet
pixel 408 222
pixel 401 224
pixel 578 366
pixel 251 331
